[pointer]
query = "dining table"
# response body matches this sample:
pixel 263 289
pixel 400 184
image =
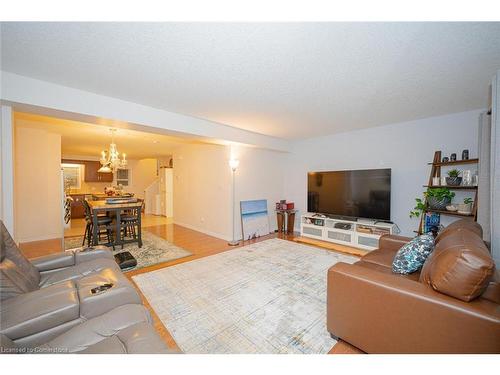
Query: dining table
pixel 115 210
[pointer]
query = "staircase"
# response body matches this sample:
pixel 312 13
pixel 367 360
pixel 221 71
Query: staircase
pixel 152 198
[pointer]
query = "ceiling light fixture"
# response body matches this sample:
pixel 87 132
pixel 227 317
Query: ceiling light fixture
pixel 110 160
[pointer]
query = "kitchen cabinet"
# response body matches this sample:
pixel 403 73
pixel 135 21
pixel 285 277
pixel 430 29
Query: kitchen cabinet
pixel 92 174
pixel 91 168
pixel 77 209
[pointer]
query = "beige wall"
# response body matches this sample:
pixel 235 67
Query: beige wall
pixel 143 173
pixel 38 200
pixel 202 185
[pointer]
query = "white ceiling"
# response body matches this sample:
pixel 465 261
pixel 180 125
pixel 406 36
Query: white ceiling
pixel 290 80
pixel 84 139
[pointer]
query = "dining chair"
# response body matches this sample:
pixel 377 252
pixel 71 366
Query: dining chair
pixel 103 222
pixel 130 219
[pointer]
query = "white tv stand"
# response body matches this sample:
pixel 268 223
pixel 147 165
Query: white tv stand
pixel 363 234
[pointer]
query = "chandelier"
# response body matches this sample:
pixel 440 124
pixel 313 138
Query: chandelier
pixel 110 159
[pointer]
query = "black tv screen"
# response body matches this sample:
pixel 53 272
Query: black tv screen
pixel 351 194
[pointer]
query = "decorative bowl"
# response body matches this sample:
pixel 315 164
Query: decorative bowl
pixel 438 204
pixel 451 208
pixel 453 181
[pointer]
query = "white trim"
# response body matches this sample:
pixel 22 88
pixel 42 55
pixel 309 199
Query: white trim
pixel 495 170
pixel 213 234
pixel 7 169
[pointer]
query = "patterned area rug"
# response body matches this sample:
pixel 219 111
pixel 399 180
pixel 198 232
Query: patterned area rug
pixel 154 249
pixel 268 297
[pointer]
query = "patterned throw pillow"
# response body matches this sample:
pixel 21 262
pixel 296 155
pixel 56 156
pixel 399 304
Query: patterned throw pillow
pixel 411 257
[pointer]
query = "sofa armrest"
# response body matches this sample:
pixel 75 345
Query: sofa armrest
pixel 121 293
pixel 54 261
pixel 385 313
pixel 85 254
pixel 392 242
pixel 29 314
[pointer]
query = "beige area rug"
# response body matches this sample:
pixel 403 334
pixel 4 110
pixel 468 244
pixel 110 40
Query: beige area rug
pixel 268 297
pixel 154 249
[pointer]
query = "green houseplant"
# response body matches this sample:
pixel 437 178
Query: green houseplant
pixel 453 178
pixel 437 199
pixel 466 207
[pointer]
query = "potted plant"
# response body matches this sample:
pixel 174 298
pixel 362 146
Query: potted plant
pixel 453 178
pixel 439 198
pixel 418 209
pixel 466 207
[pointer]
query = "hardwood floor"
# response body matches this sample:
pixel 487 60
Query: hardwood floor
pixel 40 248
pixel 201 245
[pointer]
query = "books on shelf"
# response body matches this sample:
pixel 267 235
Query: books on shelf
pixel 431 219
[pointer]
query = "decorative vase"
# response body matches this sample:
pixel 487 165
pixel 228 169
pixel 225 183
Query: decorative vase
pixel 465 208
pixel 453 181
pixel 438 203
pixel 467 178
pixel 453 157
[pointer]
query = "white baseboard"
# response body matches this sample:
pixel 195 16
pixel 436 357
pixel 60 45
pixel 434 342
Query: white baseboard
pixel 210 233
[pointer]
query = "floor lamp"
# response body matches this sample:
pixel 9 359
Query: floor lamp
pixel 233 163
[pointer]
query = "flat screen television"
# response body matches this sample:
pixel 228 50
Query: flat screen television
pixel 351 194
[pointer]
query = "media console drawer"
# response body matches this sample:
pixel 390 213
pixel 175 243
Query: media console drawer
pixel 312 231
pixel 341 236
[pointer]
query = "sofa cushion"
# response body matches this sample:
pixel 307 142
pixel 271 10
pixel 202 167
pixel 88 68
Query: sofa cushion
pixel 40 310
pixel 77 271
pixel 382 256
pixel 411 257
pixel 492 292
pixel 461 224
pixel 388 271
pixel 126 329
pixel 460 266
pixel 13 281
pixel 9 251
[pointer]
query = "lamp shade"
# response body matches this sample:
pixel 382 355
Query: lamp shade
pixel 104 169
pixel 234 163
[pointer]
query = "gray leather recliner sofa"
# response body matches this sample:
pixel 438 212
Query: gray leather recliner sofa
pixel 50 304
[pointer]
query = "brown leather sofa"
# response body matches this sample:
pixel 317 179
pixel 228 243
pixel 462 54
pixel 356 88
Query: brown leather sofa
pixel 451 306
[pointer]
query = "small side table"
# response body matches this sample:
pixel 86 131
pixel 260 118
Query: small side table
pixel 288 217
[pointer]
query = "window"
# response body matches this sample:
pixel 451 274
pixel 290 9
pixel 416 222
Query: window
pixel 72 176
pixel 122 177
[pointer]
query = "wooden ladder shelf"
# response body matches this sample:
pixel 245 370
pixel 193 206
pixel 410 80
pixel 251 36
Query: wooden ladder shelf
pixel 436 172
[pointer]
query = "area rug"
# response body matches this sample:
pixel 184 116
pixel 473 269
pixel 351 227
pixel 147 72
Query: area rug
pixel 268 297
pixel 154 249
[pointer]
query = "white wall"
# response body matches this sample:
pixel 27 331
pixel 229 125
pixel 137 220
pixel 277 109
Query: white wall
pixel 495 170
pixel 260 175
pixel 7 169
pixel 142 174
pixel 406 148
pixel 38 190
pixel 202 189
pixel 202 185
